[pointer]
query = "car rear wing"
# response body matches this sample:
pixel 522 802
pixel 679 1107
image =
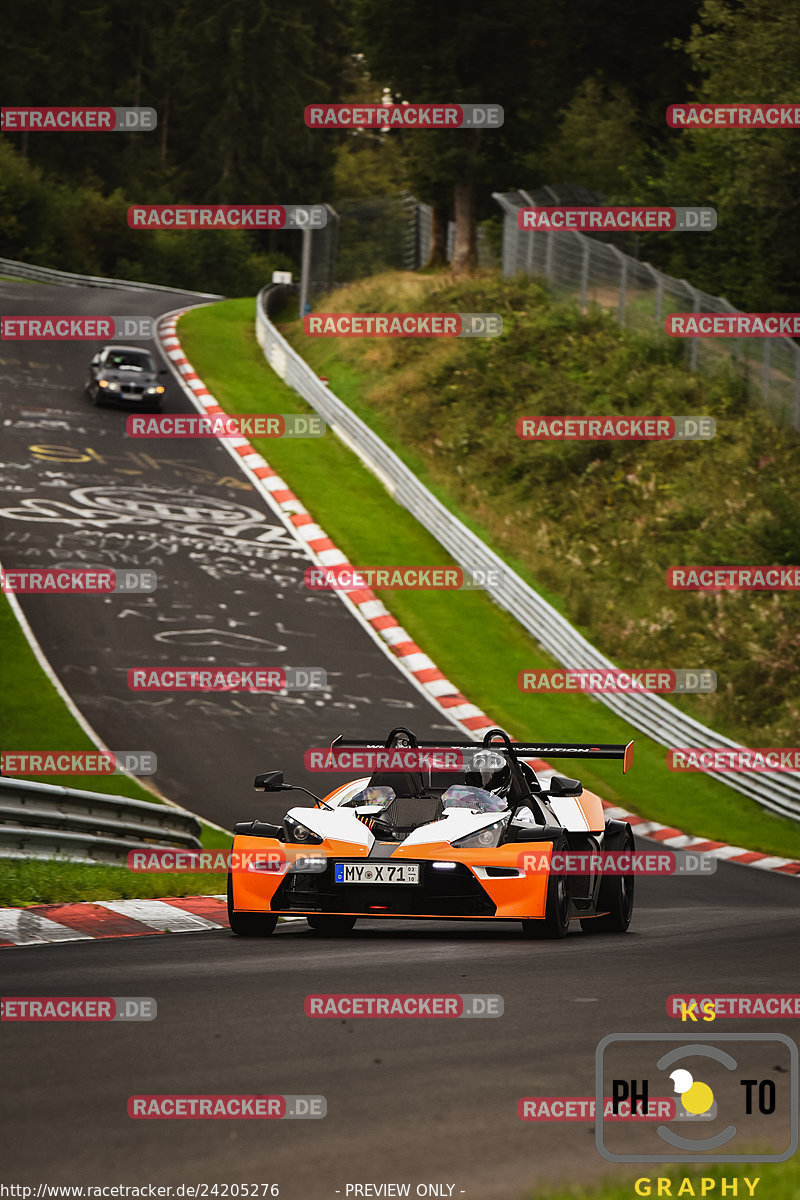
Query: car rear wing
pixel 582 750
pixel 577 750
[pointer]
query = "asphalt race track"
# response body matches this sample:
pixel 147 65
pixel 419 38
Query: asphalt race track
pixel 75 491
pixel 421 1101
pixel 408 1100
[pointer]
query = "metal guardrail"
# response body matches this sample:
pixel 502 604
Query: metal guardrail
pixel 45 820
pixel 9 266
pixel 649 714
pixel 593 267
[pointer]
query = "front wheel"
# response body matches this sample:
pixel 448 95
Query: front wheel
pixel 557 907
pixel 331 926
pixel 249 924
pixel 616 896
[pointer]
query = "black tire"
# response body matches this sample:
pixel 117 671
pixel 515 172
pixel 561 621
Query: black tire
pixel 333 926
pixel 249 924
pixel 557 907
pixel 616 894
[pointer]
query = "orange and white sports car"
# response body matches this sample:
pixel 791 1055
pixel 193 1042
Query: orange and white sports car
pixel 485 841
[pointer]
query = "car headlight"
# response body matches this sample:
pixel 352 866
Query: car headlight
pixel 296 831
pixel 112 387
pixel 484 838
pixel 154 391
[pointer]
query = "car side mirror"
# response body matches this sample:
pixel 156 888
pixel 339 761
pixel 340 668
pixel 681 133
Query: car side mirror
pixel 271 781
pixel 96 360
pixel 560 785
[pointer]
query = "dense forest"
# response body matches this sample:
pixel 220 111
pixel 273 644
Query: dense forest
pixel 584 87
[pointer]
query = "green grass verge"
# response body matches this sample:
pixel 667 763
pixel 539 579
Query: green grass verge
pixel 596 523
pixel 479 646
pixel 34 717
pixel 776 1181
pixel 29 881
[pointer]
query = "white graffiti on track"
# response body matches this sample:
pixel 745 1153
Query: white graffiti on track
pixel 226 638
pixel 107 507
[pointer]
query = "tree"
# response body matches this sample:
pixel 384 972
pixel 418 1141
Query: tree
pixel 528 57
pixel 747 51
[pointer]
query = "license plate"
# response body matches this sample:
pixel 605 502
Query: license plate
pixel 376 873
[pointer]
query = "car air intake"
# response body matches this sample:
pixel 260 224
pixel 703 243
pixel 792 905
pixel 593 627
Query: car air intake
pixel 407 812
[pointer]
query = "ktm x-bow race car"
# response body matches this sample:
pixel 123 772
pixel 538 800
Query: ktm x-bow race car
pixel 472 843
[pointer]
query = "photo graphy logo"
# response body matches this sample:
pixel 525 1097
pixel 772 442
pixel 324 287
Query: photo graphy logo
pixel 733 1091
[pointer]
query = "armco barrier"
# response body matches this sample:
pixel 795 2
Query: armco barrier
pixel 67 279
pixel 649 714
pixel 45 820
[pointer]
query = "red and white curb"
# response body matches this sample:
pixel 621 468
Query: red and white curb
pixel 389 632
pixel 85 922
pixel 669 836
pixel 443 694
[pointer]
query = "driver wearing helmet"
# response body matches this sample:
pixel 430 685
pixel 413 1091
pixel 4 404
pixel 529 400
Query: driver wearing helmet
pixel 492 772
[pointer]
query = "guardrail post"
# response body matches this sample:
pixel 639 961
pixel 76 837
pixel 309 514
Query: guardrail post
pixel 658 279
pixel 305 271
pixel 586 244
pixel 765 365
pixel 695 295
pixel 623 282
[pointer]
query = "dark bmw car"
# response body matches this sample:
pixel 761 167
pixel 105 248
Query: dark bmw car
pixel 126 377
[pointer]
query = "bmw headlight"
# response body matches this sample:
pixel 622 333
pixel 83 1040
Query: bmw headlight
pixel 104 383
pixel 154 391
pixel 483 839
pixel 296 831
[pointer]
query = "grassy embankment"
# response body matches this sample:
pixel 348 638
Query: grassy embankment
pixel 480 647
pixel 34 717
